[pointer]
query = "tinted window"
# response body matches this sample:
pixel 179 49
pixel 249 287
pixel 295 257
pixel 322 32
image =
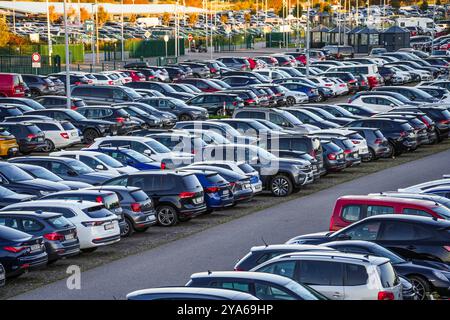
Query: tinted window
pixel 321 273
pixel 387 275
pixel 376 210
pixel 416 212
pixel 395 230
pixel 31 225
pixel 267 292
pixel 139 196
pixel 363 231
pixel 97 212
pixel 351 213
pixel 59 222
pixel 356 275
pixel 239 286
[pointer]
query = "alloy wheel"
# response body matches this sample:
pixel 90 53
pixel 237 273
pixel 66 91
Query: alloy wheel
pixel 280 186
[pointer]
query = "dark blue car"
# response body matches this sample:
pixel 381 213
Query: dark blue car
pixel 130 157
pixel 218 193
pixel 310 90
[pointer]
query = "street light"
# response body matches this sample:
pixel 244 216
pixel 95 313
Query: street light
pixel 49 36
pixel 166 39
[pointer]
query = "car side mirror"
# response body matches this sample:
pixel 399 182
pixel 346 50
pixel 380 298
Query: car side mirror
pixel 72 173
pixel 148 152
pixel 100 167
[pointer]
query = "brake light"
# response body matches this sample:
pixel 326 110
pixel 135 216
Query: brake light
pixel 120 119
pixel 424 120
pixel 332 156
pixel 99 199
pixel 352 81
pixel 187 195
pixel 92 223
pixel 250 101
pixel 14 249
pixel 378 141
pixel 78 83
pixel 163 166
pixel 110 82
pixel 90 81
pixel 234 103
pixel 328 85
pixel 403 134
pixel 384 295
pixel 347 151
pixel 213 70
pixel 31 136
pixel 212 189
pixel 444 121
pixel 232 185
pixel 356 141
pixel 244 66
pixel 447 248
pixel 54 236
pixel 64 135
pixel 73 107
pixel 136 207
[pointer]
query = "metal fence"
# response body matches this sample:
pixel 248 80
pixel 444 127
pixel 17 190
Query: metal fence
pixel 23 65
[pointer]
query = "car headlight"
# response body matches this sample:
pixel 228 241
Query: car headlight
pixel 440 276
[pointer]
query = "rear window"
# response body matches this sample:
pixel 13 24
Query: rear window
pixel 12 234
pixel 79 103
pixel 139 196
pixel 347 143
pixel 246 168
pixel 111 201
pixel 33 129
pixel 331 147
pixel 67 126
pixel 378 134
pixel 406 126
pixel 59 222
pixel 97 212
pixel 388 276
pixel 216 179
pixel 191 182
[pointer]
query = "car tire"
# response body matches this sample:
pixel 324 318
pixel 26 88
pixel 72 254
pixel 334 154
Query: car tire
pixel 49 146
pixel 372 157
pixel 166 215
pixel 89 250
pixel 392 150
pixel 422 287
pixel 90 135
pixel 321 97
pixel 290 101
pixel 185 117
pixel 281 185
pixel 128 229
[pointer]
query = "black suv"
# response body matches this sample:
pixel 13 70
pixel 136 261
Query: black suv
pixel 58 102
pixel 399 133
pixel 28 136
pixel 177 107
pixel 33 104
pixel 91 129
pixel 177 196
pixel 39 85
pixel 164 88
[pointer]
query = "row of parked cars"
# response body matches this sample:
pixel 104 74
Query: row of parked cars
pixel 387 246
pixel 151 155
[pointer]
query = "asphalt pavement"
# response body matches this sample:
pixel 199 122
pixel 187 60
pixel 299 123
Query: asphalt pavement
pixel 219 248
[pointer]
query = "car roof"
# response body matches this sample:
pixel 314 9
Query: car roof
pixel 81 204
pixel 243 275
pixel 158 172
pixel 37 213
pixel 406 217
pixel 42 158
pixel 75 152
pixel 293 247
pixel 387 199
pixel 114 188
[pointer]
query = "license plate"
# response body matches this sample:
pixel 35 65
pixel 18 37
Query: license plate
pixel 198 200
pixel 35 247
pixel 69 236
pixel 73 134
pixel 109 226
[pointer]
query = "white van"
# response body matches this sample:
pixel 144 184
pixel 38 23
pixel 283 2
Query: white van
pixel 369 70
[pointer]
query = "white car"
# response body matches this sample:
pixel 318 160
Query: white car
pixel 96 160
pixel 147 146
pixel 378 103
pixel 295 97
pixel 58 135
pixel 105 79
pixel 324 82
pixel 117 81
pixel 96 226
pixel 418 188
pixel 273 73
pixel 340 86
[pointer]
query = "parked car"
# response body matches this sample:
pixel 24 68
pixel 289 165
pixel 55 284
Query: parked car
pixel 59 102
pixel 12 85
pixel 8 144
pixel 220 104
pixel 58 134
pixel 184 111
pixel 8 197
pixel 39 85
pixel 28 136
pixel 333 156
pixel 105 95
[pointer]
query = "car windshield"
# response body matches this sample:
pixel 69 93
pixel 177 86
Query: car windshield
pixel 156 146
pixel 5 192
pixel 14 174
pixel 79 167
pixel 383 252
pixel 110 162
pixel 45 174
pixel 137 156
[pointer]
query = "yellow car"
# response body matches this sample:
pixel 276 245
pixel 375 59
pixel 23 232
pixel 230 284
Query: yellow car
pixel 8 144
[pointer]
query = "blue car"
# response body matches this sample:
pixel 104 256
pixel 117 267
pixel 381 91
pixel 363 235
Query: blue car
pixel 218 193
pixel 443 191
pixel 310 90
pixel 130 157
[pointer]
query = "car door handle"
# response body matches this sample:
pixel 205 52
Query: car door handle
pixel 337 295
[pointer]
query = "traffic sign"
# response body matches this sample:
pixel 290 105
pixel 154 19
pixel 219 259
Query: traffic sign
pixel 190 37
pixel 147 34
pixel 89 26
pixel 36 60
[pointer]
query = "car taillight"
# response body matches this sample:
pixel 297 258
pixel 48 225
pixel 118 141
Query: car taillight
pixel 136 207
pixel 234 103
pixel 447 248
pixel 213 70
pixel 64 135
pixel 424 120
pixel 212 189
pixel 120 119
pixel 332 156
pixel 363 83
pixel 250 101
pixel 92 223
pixel 313 153
pixel 384 295
pixel 90 81
pixel 73 107
pixel 244 66
pixel 77 83
pixel 352 81
pixel 356 141
pixel 444 121
pixel 110 82
pixel 347 151
pixel 328 85
pixel 99 199
pixel 54 236
pixel 31 136
pixel 378 141
pixel 187 195
pixel 151 77
pixel 232 185
pixel 163 166
pixel 14 249
pixel 403 134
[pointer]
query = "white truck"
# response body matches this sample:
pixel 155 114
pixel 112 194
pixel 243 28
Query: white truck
pixel 148 22
pixel 427 24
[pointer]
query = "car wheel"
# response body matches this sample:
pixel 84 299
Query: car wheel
pixel 422 288
pixel 167 216
pixel 185 117
pixel 372 155
pixel 321 97
pixel 290 101
pixel 49 146
pixel 128 228
pixel 391 152
pixel 90 135
pixel 281 186
pixel 88 250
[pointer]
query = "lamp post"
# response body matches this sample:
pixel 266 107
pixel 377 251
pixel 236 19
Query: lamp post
pixel 49 36
pixel 122 51
pixel 307 38
pixel 166 39
pixel 67 54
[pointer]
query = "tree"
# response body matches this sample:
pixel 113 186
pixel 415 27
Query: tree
pixel 53 16
pixel 133 18
pixel 192 19
pixel 424 5
pixel 395 4
pixel 224 19
pixel 4 33
pixel 103 15
pixel 72 13
pixel 247 17
pixel 166 18
pixel 84 14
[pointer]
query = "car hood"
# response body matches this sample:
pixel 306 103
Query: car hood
pixel 312 238
pixel 45 185
pixel 17 198
pixel 75 185
pixel 100 175
pixel 182 95
pixel 127 169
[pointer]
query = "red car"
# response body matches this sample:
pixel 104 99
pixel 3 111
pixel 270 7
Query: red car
pixel 12 85
pixel 349 209
pixel 135 75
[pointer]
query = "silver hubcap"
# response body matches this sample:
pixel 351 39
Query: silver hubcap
pixel 166 216
pixel 280 186
pixel 48 145
pixel 126 229
pixel 419 289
